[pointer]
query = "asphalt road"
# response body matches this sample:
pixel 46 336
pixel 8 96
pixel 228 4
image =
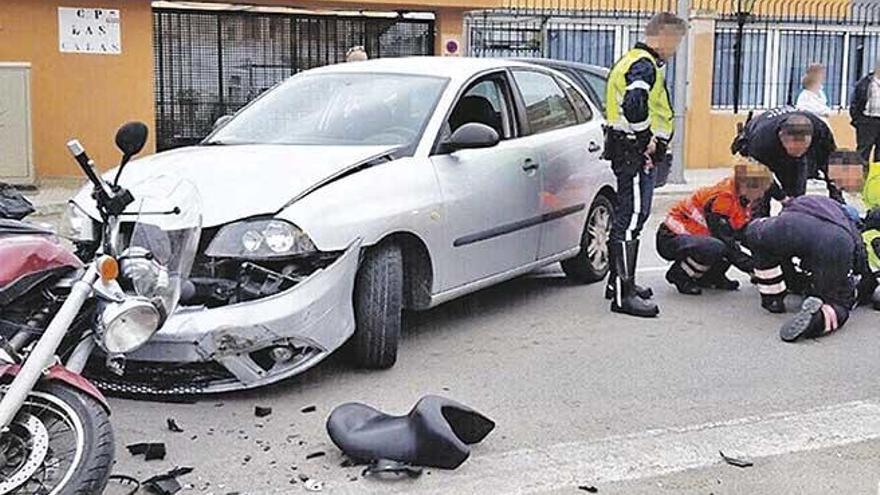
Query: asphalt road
pixel 581 397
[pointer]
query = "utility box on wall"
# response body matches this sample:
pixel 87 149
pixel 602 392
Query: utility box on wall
pixel 16 157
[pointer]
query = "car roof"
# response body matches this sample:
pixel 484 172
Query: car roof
pixel 452 67
pixel 555 64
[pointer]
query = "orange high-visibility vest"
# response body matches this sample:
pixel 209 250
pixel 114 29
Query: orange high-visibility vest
pixel 688 216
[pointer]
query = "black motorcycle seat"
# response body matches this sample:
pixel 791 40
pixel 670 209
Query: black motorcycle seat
pixel 435 433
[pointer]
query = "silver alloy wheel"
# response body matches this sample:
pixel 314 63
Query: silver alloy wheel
pixel 21 447
pixel 598 233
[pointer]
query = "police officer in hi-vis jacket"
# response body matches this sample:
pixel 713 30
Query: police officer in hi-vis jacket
pixel 639 129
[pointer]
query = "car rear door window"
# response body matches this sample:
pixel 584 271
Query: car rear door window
pixel 599 85
pixel 585 114
pixel 547 106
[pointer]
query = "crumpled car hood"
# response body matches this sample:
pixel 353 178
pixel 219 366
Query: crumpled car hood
pixel 236 182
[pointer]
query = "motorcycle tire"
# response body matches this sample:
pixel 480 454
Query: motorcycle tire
pixel 88 422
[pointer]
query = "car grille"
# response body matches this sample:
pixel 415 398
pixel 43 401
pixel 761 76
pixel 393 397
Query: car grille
pixel 144 379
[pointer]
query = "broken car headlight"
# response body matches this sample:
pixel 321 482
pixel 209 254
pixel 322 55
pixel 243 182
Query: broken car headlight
pixel 260 239
pixel 126 326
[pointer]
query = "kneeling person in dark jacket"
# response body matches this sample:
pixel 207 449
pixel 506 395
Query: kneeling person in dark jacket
pixel 700 233
pixel 818 231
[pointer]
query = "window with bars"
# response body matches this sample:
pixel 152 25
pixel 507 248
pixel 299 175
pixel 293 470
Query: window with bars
pixel 752 80
pixel 864 55
pixel 799 49
pixel 774 62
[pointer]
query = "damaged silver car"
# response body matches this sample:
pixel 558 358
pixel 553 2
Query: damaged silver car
pixel 350 193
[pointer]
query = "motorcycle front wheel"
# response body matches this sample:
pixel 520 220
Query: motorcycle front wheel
pixel 60 443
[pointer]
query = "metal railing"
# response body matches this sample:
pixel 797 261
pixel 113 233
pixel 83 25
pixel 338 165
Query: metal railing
pixel 209 64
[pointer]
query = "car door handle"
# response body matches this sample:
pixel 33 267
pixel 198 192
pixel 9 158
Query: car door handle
pixel 529 165
pixel 593 147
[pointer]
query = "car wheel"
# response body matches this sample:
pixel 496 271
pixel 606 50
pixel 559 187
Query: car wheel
pixel 591 263
pixel 378 307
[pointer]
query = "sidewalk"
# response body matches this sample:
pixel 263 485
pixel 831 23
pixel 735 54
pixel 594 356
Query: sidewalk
pixel 51 196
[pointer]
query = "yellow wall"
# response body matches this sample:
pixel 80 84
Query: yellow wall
pixel 80 95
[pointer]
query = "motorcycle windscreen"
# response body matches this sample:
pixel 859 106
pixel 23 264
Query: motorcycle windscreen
pixel 157 254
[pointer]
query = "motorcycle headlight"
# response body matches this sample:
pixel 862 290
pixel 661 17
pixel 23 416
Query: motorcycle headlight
pixel 260 239
pixel 78 225
pixel 126 326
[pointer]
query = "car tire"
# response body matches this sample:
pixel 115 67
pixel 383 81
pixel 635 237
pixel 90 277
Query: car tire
pixel 378 307
pixel 591 264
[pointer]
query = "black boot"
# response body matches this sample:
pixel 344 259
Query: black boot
pixel 808 323
pixel 682 281
pixel 716 278
pixel 624 255
pixel 773 303
pixel 643 292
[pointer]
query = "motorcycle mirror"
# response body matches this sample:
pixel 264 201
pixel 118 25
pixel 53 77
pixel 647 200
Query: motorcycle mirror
pixel 131 138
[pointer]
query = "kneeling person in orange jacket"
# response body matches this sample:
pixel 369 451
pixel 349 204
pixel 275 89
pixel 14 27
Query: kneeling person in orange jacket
pixel 701 233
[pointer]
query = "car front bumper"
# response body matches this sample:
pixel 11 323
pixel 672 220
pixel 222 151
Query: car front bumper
pixel 307 322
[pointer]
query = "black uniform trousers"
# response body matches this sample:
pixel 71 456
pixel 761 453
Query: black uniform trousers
pixel 825 251
pixel 868 138
pixel 698 254
pixel 635 194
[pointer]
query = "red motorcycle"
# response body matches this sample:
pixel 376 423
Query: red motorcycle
pixel 58 312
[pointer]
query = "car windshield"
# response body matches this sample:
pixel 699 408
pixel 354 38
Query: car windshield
pixel 337 109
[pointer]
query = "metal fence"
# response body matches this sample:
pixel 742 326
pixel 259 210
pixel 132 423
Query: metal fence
pixel 779 39
pixel 595 37
pixel 209 64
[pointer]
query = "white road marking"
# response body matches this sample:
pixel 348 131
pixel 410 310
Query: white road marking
pixel 645 454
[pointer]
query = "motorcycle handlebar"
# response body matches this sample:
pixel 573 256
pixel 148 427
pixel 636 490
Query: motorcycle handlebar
pixel 85 163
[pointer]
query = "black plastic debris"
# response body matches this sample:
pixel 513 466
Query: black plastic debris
pixel 308 409
pixel 588 488
pixel 733 461
pixel 166 483
pixel 173 426
pixel 315 455
pixel 150 451
pixel 262 412
pixel 384 467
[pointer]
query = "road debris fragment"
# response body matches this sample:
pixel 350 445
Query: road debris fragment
pixel 733 461
pixel 150 451
pixel 173 426
pixel 166 483
pixel 311 484
pixel 308 409
pixel 129 485
pixel 315 455
pixel 588 488
pixel 262 412
pixel 385 466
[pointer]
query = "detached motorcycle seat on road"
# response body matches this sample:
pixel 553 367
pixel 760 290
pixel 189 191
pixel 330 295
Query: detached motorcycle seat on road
pixel 435 433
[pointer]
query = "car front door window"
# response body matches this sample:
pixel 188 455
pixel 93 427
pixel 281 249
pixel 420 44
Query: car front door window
pixel 484 103
pixel 547 107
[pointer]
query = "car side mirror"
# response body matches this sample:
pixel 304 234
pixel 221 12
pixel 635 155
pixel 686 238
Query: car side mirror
pixel 221 121
pixel 472 135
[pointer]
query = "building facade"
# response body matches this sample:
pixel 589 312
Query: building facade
pixel 82 69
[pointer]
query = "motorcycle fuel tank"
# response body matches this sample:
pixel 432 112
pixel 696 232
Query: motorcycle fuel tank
pixel 23 255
